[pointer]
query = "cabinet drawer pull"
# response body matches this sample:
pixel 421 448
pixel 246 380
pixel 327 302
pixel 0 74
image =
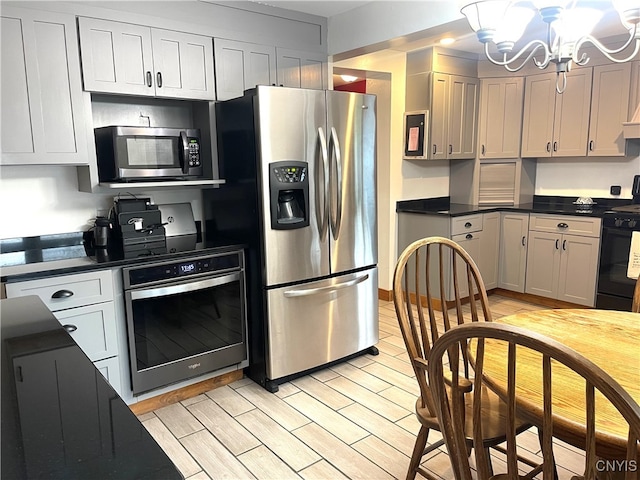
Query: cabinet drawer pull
pixel 159 79
pixel 555 146
pixel 435 148
pixel 549 147
pixel 450 149
pixel 70 328
pixel 523 240
pixel 563 225
pixel 468 225
pixel 149 79
pixel 591 145
pixel 469 236
pixel 564 245
pixel 482 149
pixel 557 247
pixel 62 294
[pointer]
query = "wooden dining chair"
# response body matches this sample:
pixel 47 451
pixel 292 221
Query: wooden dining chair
pixel 635 306
pixel 431 275
pixel 483 339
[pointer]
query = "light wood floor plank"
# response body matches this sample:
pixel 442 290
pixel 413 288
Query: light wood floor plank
pixel 265 465
pixel 214 458
pixel 382 428
pixel 365 397
pixel 324 375
pixel 390 349
pixel 327 418
pixel 178 419
pixel 350 462
pixel 361 377
pixel 275 407
pixel 286 389
pixel 199 476
pixel 322 392
pixel 393 377
pixel 172 447
pixel 399 364
pixel 322 470
pixel 224 427
pixel 279 440
pixel 230 400
pixel 192 400
pixel 400 397
pixel 384 455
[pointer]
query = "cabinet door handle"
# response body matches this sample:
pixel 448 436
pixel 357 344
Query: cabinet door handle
pixel 564 245
pixel 591 145
pixel 62 294
pixel 549 147
pixel 149 79
pixel 563 225
pixel 482 149
pixel 450 149
pixel 469 236
pixel 468 225
pixel 70 328
pixel 557 246
pixel 159 79
pixel 435 148
pixel 523 240
pixel 555 146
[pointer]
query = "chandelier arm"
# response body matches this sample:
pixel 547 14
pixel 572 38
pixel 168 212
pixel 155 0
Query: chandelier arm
pixel 588 38
pixel 609 53
pixel 505 63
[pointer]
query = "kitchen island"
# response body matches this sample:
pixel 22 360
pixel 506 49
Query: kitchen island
pixel 60 417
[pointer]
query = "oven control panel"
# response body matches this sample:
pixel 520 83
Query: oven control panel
pixel 625 222
pixel 166 271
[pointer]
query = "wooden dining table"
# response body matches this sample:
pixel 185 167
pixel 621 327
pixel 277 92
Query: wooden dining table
pixel 610 339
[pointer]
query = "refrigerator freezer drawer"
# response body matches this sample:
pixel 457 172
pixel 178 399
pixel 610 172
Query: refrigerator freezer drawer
pixel 315 323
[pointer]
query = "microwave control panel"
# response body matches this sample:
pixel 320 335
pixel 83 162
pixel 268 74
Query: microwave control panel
pixel 194 152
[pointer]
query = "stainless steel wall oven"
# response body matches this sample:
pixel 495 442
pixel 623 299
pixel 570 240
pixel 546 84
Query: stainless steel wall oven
pixel 185 317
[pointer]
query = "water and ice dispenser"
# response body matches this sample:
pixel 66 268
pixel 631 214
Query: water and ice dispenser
pixel 289 185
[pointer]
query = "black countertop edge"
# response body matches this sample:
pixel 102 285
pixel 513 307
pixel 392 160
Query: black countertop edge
pixel 88 259
pixel 541 204
pixel 60 417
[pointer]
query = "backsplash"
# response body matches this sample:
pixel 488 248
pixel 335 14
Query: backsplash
pixel 45 200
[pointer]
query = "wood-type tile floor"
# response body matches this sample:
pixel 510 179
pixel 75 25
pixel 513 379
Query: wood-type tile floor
pixel 354 420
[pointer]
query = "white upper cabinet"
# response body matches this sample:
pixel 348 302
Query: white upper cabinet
pixel 242 65
pixel 556 125
pixel 136 60
pixel 42 104
pixel 500 122
pixel 609 109
pixel 300 69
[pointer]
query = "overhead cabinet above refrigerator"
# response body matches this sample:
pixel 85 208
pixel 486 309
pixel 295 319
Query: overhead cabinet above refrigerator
pixel 301 164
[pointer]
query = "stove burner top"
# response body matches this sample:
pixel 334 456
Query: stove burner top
pixel 634 209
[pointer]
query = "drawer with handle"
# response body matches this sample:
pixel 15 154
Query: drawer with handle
pixel 466 224
pixel 586 226
pixel 67 291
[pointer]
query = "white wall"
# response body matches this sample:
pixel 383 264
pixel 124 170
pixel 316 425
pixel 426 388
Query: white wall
pixel 37 200
pixel 581 177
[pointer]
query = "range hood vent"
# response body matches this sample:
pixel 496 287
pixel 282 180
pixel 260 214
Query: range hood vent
pixel 631 130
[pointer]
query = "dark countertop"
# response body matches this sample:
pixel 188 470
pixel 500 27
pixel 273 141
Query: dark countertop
pixel 28 258
pixel 540 204
pixel 60 417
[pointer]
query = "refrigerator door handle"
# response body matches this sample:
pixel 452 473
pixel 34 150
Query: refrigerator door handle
pixel 334 144
pixel 305 292
pixel 323 215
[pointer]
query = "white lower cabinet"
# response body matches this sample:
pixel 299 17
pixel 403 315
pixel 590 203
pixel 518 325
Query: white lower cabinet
pixel 562 258
pixel 84 304
pixel 512 262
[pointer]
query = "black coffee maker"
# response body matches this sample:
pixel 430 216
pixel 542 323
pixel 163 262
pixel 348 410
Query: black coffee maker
pixel 635 190
pixel 137 227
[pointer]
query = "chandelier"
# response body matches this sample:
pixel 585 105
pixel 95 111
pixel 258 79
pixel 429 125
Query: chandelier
pixel 569 27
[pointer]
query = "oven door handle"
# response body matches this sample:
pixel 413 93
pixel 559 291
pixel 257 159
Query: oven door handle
pixel 305 292
pixel 183 287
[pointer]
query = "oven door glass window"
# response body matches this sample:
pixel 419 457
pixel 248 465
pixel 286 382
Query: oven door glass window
pixel 173 327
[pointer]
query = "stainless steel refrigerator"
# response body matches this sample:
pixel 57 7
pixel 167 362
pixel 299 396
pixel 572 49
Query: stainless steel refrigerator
pixel 301 171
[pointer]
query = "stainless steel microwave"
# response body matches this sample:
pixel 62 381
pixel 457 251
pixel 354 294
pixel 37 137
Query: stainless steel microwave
pixel 147 153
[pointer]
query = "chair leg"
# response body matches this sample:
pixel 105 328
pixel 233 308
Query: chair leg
pixel 555 470
pixel 418 449
pixel 489 464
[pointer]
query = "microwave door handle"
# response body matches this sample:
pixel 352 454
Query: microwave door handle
pixel 184 152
